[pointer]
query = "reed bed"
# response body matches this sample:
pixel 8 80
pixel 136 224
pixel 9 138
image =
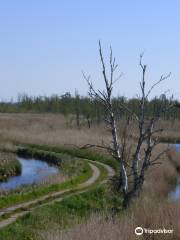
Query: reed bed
pixel 9 165
pixel 152 210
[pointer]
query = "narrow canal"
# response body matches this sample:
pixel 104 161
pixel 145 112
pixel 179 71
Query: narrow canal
pixel 33 171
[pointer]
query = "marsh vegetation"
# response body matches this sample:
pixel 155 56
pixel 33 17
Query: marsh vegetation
pixel 9 165
pixel 84 212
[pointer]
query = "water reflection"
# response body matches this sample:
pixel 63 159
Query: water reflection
pixel 33 171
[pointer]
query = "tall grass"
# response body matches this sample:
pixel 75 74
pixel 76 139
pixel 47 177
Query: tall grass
pixel 9 165
pixel 152 210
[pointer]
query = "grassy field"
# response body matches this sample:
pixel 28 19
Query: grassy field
pixel 152 210
pixel 52 129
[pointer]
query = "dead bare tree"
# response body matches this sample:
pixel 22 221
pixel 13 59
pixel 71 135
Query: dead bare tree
pixel 131 176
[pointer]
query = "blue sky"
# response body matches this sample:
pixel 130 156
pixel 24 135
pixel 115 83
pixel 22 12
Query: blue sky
pixel 45 44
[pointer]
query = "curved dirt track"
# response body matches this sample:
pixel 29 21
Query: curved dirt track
pixel 27 207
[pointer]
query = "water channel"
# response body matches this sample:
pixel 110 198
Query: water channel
pixel 33 172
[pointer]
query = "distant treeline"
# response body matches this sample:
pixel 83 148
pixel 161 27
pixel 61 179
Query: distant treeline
pixel 90 110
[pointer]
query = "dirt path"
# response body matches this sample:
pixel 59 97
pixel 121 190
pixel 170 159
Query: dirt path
pixel 27 207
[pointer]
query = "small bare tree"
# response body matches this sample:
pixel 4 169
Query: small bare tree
pixel 131 175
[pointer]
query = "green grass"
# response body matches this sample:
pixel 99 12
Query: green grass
pixel 103 175
pixel 61 215
pixel 75 206
pixel 69 164
pixel 57 156
pixel 41 190
pixel 78 171
pixel 80 153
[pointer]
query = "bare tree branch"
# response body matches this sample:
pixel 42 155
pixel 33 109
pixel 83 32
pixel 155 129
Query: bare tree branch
pixel 162 78
pixel 131 174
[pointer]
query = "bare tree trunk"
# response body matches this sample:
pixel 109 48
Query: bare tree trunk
pixel 145 141
pixel 116 143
